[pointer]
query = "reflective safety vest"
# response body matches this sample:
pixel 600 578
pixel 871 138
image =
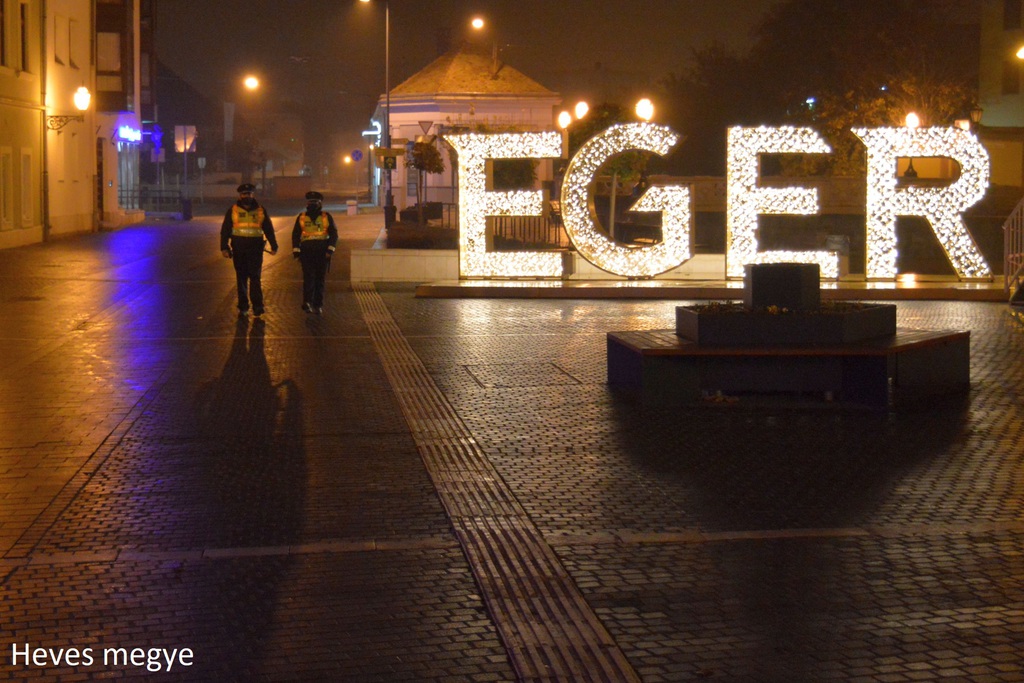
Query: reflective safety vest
pixel 246 223
pixel 313 229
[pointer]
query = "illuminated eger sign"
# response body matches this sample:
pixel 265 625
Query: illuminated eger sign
pixel 943 207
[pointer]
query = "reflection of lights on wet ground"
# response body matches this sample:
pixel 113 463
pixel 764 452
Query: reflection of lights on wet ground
pixel 140 307
pixel 1017 315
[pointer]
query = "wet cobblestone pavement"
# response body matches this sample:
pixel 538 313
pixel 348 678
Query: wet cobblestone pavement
pixel 446 490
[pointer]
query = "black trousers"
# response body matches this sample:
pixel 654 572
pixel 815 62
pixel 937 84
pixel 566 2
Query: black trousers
pixel 314 271
pixel 247 255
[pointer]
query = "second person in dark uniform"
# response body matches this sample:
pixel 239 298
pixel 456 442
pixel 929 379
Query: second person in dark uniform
pixel 314 238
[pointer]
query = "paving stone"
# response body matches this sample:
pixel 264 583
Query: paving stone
pixel 174 476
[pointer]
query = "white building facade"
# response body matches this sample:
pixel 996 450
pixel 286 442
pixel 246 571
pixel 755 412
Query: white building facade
pixel 463 90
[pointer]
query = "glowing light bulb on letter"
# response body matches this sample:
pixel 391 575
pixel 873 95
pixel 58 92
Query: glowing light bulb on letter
pixel 746 200
pixel 476 203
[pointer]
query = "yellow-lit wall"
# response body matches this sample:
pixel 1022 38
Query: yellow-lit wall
pixel 21 132
pixel 70 153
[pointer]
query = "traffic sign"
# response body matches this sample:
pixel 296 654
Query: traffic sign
pixel 357 155
pixel 390 162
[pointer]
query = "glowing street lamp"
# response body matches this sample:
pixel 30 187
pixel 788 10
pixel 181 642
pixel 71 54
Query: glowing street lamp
pixel 564 119
pixel 249 82
pixel 581 109
pixel 645 109
pixel 477 23
pixel 81 99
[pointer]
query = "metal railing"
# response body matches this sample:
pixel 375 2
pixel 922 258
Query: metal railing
pixel 510 232
pixel 155 200
pixel 529 232
pixel 1013 250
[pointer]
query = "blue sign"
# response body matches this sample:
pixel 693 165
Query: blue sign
pixel 357 155
pixel 128 134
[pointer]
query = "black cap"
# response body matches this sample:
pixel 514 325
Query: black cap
pixel 314 196
pixel 246 187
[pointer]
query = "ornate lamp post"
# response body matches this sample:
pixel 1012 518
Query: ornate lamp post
pixel 81 98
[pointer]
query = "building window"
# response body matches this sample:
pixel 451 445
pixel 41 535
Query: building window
pixel 1011 77
pixel 145 86
pixel 3 34
pixel 61 40
pixel 127 175
pixel 75 43
pixel 115 68
pixel 28 213
pixel 100 206
pixel 24 63
pixel 72 159
pixel 6 190
pixel 1011 14
pixel 412 179
pixel 108 62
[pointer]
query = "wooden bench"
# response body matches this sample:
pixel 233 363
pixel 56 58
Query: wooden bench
pixel 917 364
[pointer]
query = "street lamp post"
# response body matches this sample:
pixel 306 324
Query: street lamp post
pixel 564 119
pixel 389 198
pixel 250 83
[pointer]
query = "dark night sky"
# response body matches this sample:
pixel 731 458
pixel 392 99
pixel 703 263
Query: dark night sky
pixel 329 54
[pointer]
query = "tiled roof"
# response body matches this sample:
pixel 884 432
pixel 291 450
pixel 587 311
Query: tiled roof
pixel 468 71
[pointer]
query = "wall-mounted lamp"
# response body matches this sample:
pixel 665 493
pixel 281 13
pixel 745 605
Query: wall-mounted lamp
pixel 82 97
pixel 975 115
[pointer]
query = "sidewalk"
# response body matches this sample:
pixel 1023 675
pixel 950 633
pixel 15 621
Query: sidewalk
pixel 429 489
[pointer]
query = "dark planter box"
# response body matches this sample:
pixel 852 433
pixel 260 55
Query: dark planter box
pixel 734 325
pixel 795 286
pixel 431 211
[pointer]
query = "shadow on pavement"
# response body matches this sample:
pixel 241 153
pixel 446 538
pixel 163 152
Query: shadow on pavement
pixel 748 468
pixel 256 482
pixel 792 496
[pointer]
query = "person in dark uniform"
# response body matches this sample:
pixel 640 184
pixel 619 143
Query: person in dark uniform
pixel 245 229
pixel 314 238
